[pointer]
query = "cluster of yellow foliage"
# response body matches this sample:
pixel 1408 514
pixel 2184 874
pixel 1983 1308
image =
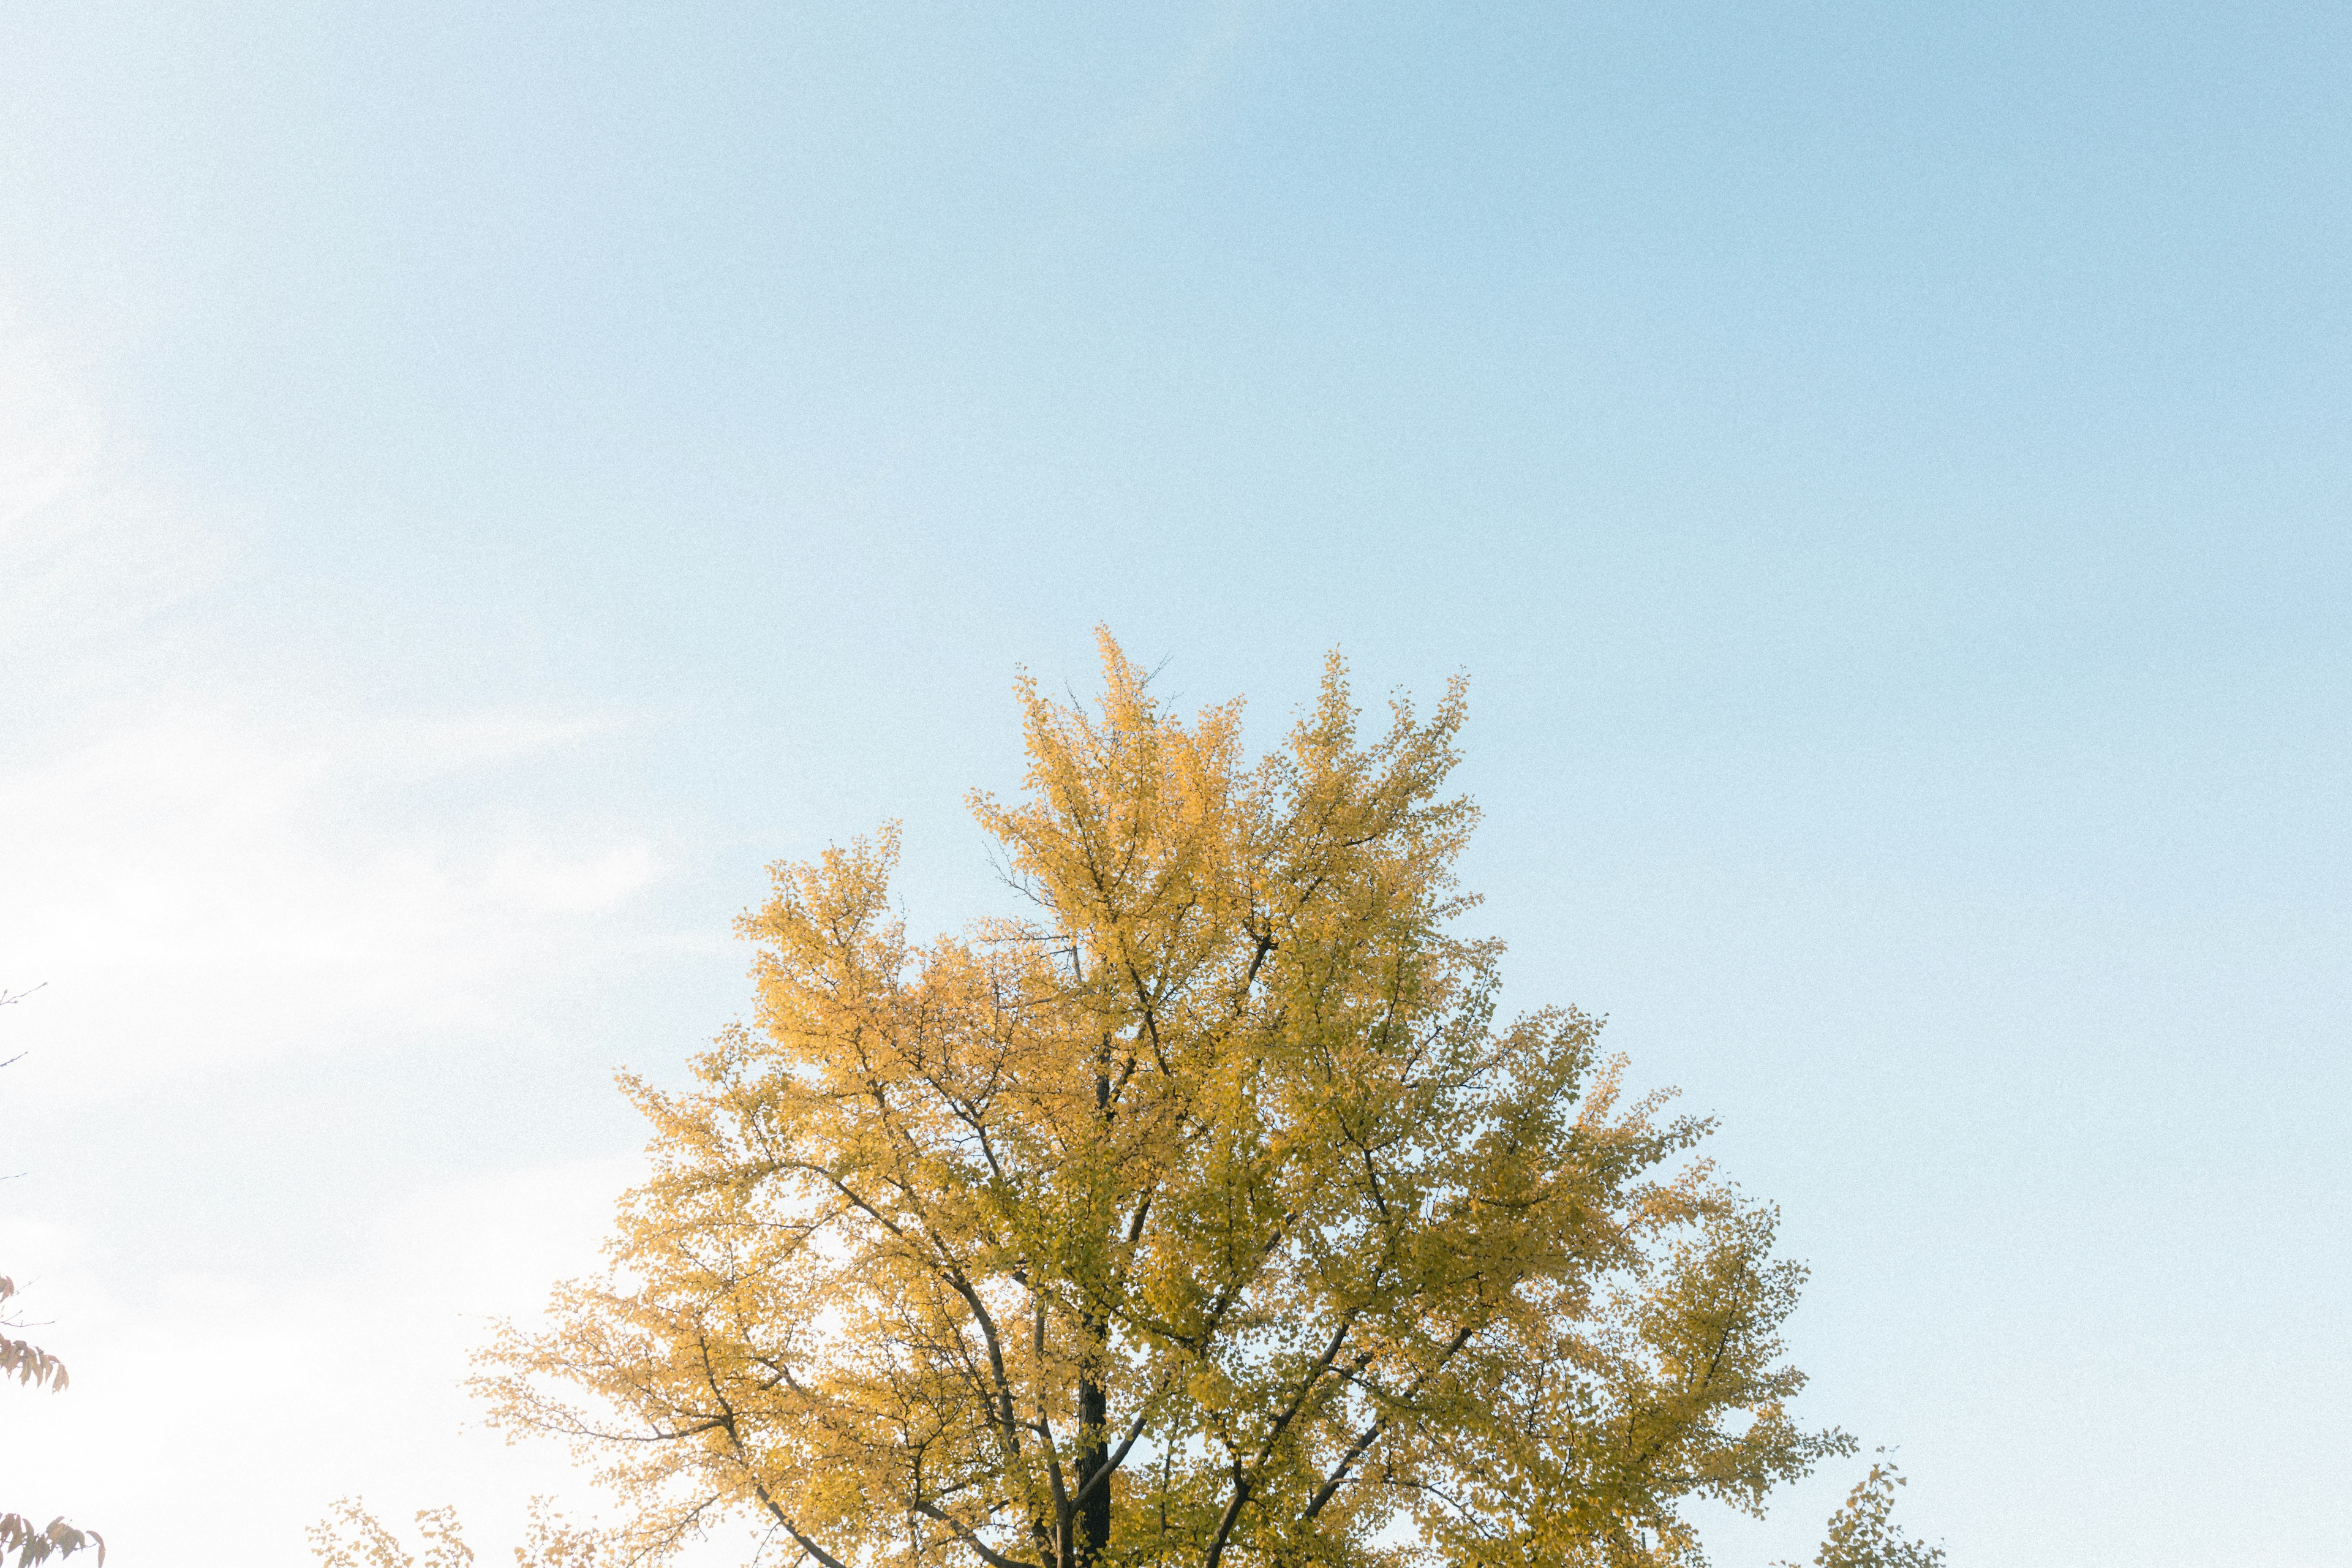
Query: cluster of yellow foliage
pixel 1206 1216
pixel 1864 1535
pixel 352 1537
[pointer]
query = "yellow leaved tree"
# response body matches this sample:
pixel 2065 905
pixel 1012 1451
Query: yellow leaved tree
pixel 1201 1213
pixel 353 1537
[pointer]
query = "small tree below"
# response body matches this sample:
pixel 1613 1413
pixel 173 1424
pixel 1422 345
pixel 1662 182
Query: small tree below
pixel 31 1366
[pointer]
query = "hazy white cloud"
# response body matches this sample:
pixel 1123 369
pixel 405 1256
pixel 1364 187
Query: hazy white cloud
pixel 88 552
pixel 201 887
pixel 212 1417
pixel 205 863
pixel 203 868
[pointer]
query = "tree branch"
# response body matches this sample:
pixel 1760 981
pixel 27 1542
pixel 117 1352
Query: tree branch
pixel 996 1559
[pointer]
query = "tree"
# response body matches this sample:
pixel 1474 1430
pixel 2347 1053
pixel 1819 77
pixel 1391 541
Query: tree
pixel 1206 1215
pixel 31 1366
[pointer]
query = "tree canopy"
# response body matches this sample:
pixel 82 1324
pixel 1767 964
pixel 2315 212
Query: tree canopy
pixel 1200 1212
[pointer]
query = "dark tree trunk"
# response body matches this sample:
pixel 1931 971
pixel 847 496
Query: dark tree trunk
pixel 1093 1523
pixel 1094 1452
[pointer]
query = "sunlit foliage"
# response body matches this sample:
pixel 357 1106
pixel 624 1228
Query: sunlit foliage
pixel 1202 1214
pixel 353 1537
pixel 23 1362
pixel 1864 1535
pixel 34 1544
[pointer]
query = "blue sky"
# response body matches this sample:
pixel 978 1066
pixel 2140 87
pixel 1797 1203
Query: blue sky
pixel 476 483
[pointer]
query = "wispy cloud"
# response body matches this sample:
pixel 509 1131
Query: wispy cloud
pixel 209 864
pixel 204 862
pixel 87 553
pixel 1169 110
pixel 201 887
